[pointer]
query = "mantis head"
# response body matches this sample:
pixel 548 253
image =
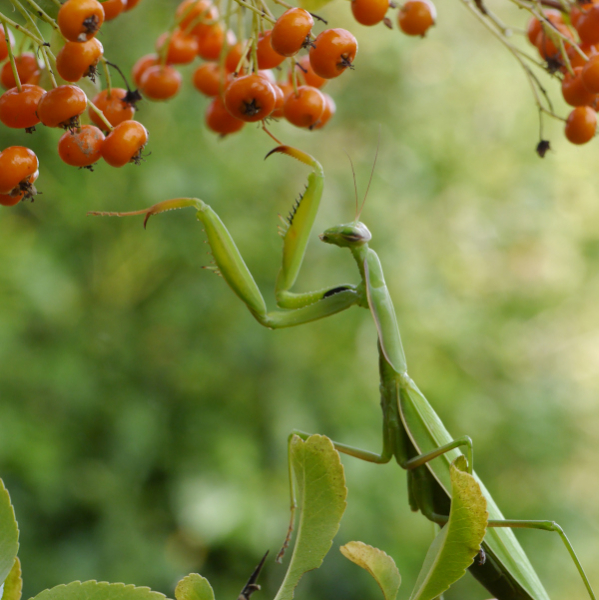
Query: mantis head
pixel 347 236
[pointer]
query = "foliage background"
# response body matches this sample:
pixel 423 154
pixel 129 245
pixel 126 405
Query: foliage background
pixel 144 414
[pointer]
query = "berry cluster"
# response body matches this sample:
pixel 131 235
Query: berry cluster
pixel 263 76
pixel 569 43
pixel 272 68
pixel 115 136
pixel 240 76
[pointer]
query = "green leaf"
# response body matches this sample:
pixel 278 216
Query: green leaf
pixel 94 590
pixel 9 534
pixel 378 563
pixel 49 7
pixel 313 5
pixel 194 587
pixel 321 493
pixel 456 545
pixel 13 585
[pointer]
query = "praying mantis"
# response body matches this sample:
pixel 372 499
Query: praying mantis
pixel 413 434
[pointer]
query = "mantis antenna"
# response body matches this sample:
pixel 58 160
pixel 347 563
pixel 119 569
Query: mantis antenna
pixel 353 172
pixel 376 155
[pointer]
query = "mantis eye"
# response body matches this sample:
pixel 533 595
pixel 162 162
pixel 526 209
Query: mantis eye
pixel 353 237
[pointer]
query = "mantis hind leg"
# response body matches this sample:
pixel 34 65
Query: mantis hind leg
pixel 381 459
pixel 548 526
pixel 427 505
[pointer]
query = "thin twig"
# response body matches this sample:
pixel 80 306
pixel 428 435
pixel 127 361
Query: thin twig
pixel 44 16
pixel 11 55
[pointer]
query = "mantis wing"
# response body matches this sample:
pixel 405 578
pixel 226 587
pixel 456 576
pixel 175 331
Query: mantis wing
pixel 427 433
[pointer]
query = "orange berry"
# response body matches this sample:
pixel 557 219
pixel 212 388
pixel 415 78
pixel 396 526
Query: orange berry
pixel 290 31
pixel 590 75
pixel 19 109
pixel 79 59
pixel 233 57
pixel 160 82
pixel 581 125
pixel 587 24
pixel 333 51
pixel 220 120
pixel 574 91
pixel 28 68
pixel 8 200
pixel 417 16
pixel 329 110
pixel 25 190
pixel 267 57
pixel 17 165
pixel 306 73
pixel 210 43
pixel 576 12
pixel 61 106
pixel 250 98
pixel 182 48
pixel 268 75
pixel 140 67
pixel 113 8
pixel 277 111
pixel 131 4
pixel 81 147
pixel 124 144
pixel 286 88
pixel 80 20
pixel 207 78
pixel 549 49
pixel 369 12
pixel 576 60
pixel 3 45
pixel 305 108
pixel 115 107
pixel 196 16
pixel 535 27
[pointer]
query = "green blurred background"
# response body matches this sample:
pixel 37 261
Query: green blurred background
pixel 144 413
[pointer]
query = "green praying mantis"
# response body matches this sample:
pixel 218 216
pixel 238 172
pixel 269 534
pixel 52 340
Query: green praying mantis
pixel 413 434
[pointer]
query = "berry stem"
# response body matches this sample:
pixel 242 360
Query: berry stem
pixel 44 16
pixel 271 135
pixel 200 19
pixel 184 15
pixel 549 29
pixel 21 29
pixel 47 55
pixel 565 56
pixel 254 40
pixel 255 10
pixel 224 49
pixel 163 52
pixel 243 58
pixel 266 10
pixel 535 84
pixel 293 76
pixel 283 3
pixel 240 22
pixel 11 56
pixel 100 114
pixel 107 75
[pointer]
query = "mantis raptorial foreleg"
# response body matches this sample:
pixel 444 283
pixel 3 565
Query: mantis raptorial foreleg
pixel 299 307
